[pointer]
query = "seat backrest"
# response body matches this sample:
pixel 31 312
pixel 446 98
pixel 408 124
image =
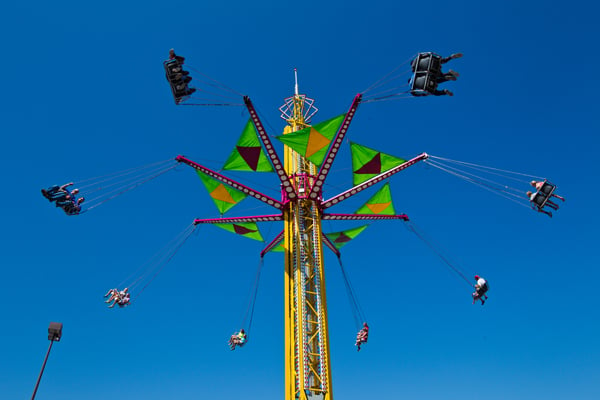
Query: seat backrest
pixel 423 81
pixel 423 61
pixel 547 188
pixel 428 62
pixel 539 199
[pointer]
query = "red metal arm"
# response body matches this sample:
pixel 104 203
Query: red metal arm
pixel 376 179
pixel 336 143
pixel 270 151
pixel 233 220
pixel 362 217
pixel 230 182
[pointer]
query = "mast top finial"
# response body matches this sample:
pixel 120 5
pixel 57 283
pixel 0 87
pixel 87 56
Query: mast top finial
pixel 296 82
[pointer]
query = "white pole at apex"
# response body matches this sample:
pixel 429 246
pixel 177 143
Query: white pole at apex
pixel 296 82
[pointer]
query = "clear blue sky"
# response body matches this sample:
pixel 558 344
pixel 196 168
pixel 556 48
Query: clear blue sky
pixel 84 94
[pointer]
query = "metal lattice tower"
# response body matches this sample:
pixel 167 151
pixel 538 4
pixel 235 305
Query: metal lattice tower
pixel 308 372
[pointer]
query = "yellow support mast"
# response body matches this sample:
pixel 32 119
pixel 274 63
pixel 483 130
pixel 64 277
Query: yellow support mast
pixel 307 368
pixel 307 365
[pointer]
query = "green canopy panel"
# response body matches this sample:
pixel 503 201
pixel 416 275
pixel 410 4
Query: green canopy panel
pixel 368 163
pixel 248 154
pixel 381 203
pixel 223 196
pixel 313 142
pixel 246 229
pixel 339 239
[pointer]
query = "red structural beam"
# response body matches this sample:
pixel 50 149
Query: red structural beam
pixel 335 146
pixel 362 217
pixel 376 179
pixel 287 186
pixel 233 220
pixel 231 183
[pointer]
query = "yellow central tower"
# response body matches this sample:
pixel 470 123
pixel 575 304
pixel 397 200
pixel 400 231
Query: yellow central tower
pixel 307 367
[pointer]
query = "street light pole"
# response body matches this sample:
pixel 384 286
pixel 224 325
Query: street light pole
pixel 54 335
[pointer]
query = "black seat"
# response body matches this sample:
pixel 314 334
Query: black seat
pixel 428 62
pixel 174 70
pixel 422 84
pixel 547 189
pixel 178 80
pixel 539 200
pixel 426 67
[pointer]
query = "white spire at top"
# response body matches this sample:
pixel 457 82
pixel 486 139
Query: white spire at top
pixel 305 104
pixel 296 82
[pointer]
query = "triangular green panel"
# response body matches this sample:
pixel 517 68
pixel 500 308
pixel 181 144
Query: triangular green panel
pixel 246 229
pixel 339 239
pixel 224 196
pixel 314 141
pixel 248 154
pixel 380 203
pixel 367 163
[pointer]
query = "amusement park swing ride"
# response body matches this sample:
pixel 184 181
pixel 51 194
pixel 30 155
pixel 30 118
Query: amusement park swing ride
pixel 308 155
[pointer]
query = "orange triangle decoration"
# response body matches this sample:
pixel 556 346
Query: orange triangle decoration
pixel 316 142
pixel 376 208
pixel 220 193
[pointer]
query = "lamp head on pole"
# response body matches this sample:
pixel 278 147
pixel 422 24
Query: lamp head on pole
pixel 55 331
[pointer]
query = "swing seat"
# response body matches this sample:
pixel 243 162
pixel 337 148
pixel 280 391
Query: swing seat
pixel 426 67
pixel 172 68
pixel 542 195
pixel 422 84
pixel 428 62
pixel 539 200
pixel 547 189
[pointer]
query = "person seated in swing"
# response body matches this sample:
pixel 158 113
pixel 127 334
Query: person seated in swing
pixel 362 336
pixel 183 85
pixel 442 77
pixel 549 188
pixel 111 294
pixel 180 95
pixel 427 74
pixel 180 81
pixel 446 76
pixel 481 287
pixel 538 201
pixel 70 206
pixel 178 72
pixel 415 66
pixel 124 300
pixel 425 84
pixel 173 56
pixel 117 297
pixel 444 92
pixel 121 298
pixel 454 56
pixel 237 339
pixel 55 193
